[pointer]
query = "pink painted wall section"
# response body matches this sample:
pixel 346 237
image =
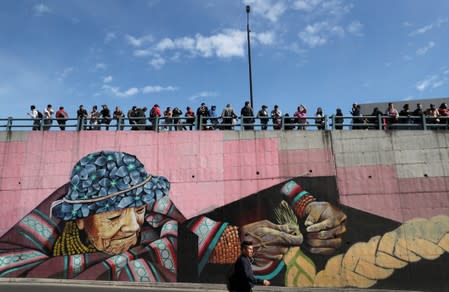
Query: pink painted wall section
pixel 311 162
pixel 249 166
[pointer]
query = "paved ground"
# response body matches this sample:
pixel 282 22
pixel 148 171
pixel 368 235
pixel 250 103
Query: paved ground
pixel 52 285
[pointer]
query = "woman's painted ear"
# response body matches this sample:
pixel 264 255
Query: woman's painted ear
pixel 80 224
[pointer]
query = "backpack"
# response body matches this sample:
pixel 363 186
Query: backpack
pixel 39 115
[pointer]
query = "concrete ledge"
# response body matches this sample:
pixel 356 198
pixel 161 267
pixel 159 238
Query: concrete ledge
pixel 55 285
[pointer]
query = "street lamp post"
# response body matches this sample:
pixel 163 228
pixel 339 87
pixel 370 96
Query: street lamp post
pixel 248 9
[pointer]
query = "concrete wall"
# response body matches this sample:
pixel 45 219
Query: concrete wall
pixel 397 175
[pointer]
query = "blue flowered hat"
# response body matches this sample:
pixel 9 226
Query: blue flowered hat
pixel 108 181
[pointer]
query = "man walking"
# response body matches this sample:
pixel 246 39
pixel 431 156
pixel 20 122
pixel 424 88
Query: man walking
pixel 243 280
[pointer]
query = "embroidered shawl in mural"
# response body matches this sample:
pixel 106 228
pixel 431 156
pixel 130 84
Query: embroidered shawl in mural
pixel 26 249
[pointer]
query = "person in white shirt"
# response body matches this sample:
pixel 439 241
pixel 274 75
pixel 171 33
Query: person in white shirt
pixel 34 114
pixel 48 113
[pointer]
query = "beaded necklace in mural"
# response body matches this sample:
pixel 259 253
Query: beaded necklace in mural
pixel 70 243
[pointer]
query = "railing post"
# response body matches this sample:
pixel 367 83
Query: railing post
pixel 200 123
pixel 325 122
pixel 119 123
pixel 9 124
pixel 282 123
pixel 195 123
pixel 379 122
pixel 156 123
pixel 333 122
pixel 41 126
pixel 424 123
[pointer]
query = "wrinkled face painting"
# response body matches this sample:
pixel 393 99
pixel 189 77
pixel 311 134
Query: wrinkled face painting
pixel 113 232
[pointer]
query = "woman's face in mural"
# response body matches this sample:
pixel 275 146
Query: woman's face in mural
pixel 113 232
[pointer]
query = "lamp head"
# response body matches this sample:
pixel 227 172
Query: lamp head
pixel 248 8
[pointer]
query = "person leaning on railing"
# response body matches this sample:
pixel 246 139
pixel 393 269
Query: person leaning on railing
pixel 81 115
pixel 190 118
pixel 36 116
pixel 276 117
pixel 119 116
pixel 338 119
pixel 177 114
pixel 228 116
pixel 48 113
pixel 392 115
pixel 319 119
pixel 105 116
pixel 405 116
pixel 213 116
pixel 373 121
pixel 433 115
pixel 168 116
pixel 301 117
pixel 247 116
pixel 444 113
pixel 262 115
pixel 61 117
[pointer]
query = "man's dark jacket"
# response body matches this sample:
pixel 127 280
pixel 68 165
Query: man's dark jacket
pixel 243 279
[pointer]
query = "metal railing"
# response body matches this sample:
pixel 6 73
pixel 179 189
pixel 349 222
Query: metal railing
pixel 284 123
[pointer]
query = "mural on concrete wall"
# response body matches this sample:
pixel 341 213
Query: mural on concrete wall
pixel 115 221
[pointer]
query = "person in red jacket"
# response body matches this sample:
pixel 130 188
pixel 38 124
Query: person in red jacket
pixel 61 117
pixel 155 113
pixel 190 118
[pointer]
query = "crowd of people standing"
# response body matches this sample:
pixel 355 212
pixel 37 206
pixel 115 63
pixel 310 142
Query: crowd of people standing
pixel 205 118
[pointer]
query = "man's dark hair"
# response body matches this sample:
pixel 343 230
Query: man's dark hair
pixel 33 107
pixel 246 243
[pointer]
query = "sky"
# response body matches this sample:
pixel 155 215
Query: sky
pixel 320 53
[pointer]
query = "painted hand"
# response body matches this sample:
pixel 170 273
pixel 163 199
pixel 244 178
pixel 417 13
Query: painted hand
pixel 325 225
pixel 270 241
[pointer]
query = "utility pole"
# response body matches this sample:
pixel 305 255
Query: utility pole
pixel 248 9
